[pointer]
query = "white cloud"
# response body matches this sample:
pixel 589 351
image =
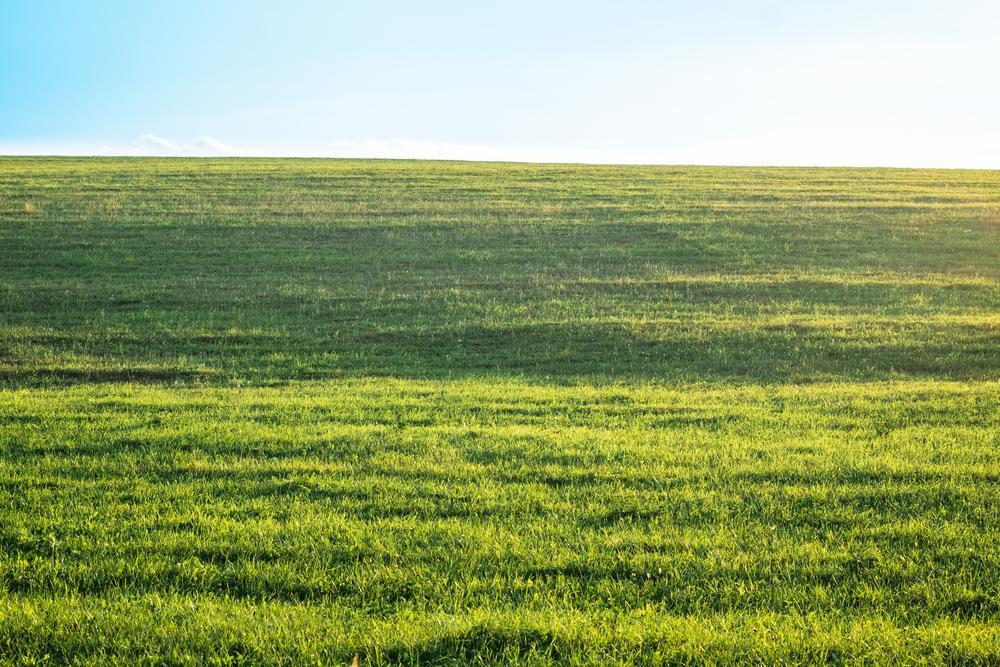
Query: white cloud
pixel 158 142
pixel 214 145
pixel 150 144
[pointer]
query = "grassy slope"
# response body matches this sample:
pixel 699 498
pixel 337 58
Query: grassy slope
pixel 263 410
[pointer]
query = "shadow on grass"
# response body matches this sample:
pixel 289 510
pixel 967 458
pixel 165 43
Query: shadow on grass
pixel 606 351
pixel 559 352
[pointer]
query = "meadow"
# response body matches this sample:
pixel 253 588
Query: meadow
pixel 296 411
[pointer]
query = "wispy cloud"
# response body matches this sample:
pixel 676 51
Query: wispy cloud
pixel 150 144
pixel 157 142
pixel 214 145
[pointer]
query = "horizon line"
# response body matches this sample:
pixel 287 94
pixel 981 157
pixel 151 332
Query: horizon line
pixel 569 163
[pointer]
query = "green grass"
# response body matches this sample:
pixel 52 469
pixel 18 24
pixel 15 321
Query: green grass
pixel 294 411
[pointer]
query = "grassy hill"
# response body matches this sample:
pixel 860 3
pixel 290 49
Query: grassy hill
pixel 298 410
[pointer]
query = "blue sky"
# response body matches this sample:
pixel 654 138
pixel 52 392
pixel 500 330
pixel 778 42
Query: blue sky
pixel 711 82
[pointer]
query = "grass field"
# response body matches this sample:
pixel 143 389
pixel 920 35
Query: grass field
pixel 294 411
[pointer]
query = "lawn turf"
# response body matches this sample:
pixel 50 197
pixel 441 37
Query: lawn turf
pixel 289 411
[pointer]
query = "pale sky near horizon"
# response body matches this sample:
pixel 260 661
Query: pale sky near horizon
pixel 773 82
